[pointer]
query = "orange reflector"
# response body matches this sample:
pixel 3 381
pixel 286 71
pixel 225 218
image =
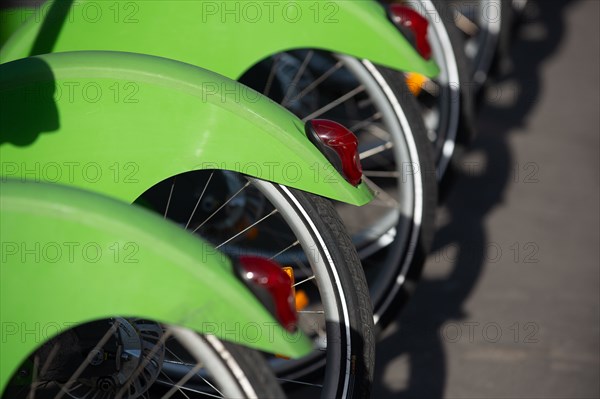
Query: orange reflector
pixel 415 82
pixel 301 300
pixel 290 272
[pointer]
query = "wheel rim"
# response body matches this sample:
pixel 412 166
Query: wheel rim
pixel 54 376
pixel 326 319
pixel 399 224
pixel 441 118
pixel 481 25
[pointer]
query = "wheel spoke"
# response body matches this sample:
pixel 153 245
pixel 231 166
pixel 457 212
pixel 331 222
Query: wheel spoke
pixel 376 116
pixel 300 265
pixel 274 211
pixel 317 82
pixel 51 356
pixel 191 373
pixel 199 199
pixel 334 103
pixel 271 77
pixel 43 370
pixel 379 132
pixel 34 383
pixel 433 87
pixel 285 249
pixel 305 280
pixel 176 387
pixel 87 360
pixel 169 199
pixel 195 391
pixel 301 382
pixel 376 150
pixel 465 24
pixel 297 77
pixel 381 173
pixel 144 363
pixel 296 260
pixel 222 206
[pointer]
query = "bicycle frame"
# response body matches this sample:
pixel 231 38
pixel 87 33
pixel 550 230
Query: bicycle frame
pixel 146 119
pixel 109 259
pixel 227 38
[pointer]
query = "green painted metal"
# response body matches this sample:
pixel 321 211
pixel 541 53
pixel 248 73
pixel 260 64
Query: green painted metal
pixel 118 123
pixel 70 256
pixel 225 37
pixel 11 18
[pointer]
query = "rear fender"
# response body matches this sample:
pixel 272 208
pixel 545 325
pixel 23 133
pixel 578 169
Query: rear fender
pixel 70 257
pixel 225 37
pixel 12 17
pixel 118 123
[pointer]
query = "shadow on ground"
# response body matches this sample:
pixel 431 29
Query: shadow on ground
pixel 415 342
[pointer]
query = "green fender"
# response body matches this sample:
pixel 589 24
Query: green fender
pixel 118 123
pixel 225 37
pixel 11 19
pixel 69 256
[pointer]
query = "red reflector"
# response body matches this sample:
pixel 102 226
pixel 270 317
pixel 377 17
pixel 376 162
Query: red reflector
pixel 267 275
pixel 411 20
pixel 339 145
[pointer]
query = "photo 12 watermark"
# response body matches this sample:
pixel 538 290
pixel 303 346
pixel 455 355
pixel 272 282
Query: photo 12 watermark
pixel 490 332
pixel 70 172
pixel 83 91
pixel 526 172
pixel 77 11
pixel 35 332
pixel 68 252
pixel 271 12
pixel 516 252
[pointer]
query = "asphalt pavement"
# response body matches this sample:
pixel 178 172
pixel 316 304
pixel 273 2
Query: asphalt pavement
pixel 509 304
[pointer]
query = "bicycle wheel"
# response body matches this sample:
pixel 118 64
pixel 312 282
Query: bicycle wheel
pixel 445 101
pixel 128 358
pixel 393 233
pixel 481 23
pixel 244 216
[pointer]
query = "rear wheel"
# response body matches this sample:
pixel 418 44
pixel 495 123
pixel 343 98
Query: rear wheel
pixel 245 216
pixel 132 358
pixel 393 232
pixel 418 177
pixel 481 23
pixel 446 101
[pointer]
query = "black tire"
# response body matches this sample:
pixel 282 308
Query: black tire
pixel 236 370
pixel 325 224
pixel 466 130
pixel 397 243
pixel 256 371
pixel 396 295
pixel 299 230
pixel 482 42
pixel 211 368
pixel 508 25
